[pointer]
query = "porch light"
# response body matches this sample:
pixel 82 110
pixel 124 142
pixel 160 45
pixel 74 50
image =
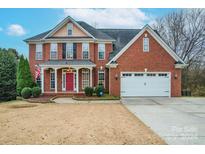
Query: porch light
pixel 145 69
pixel 101 68
pixel 175 76
pixel 116 76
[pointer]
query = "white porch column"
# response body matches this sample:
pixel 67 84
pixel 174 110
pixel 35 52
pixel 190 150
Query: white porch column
pixel 42 79
pixel 91 77
pixel 56 88
pixel 77 80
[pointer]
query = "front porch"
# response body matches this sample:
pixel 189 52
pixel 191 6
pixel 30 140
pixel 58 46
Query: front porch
pixel 66 78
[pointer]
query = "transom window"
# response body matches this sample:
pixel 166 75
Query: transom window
pixel 85 50
pixel 69 50
pixel 53 51
pixel 85 78
pixel 70 29
pixel 39 52
pixel 146 44
pixel 52 80
pixel 101 78
pixel 101 51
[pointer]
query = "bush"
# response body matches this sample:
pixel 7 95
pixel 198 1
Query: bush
pixel 7 75
pixel 199 91
pixel 99 90
pixel 88 91
pixel 26 92
pixel 36 91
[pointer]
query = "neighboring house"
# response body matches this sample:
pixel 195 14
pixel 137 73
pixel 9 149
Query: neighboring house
pixel 128 62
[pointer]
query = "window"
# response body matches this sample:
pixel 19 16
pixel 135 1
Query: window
pixel 69 50
pixel 162 74
pixel 85 78
pixel 64 50
pixel 139 74
pixel 38 81
pixel 101 78
pixel 70 29
pixel 146 44
pixel 101 51
pixel 64 81
pixel 127 74
pixel 85 51
pixel 151 74
pixel 52 80
pixel 53 51
pixel 39 52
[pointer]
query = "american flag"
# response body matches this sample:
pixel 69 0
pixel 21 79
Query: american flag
pixel 37 71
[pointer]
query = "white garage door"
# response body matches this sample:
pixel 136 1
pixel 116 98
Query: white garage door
pixel 145 84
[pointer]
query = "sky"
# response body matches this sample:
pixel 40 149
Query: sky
pixel 19 24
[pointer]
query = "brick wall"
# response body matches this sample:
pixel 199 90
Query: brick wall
pixel 156 60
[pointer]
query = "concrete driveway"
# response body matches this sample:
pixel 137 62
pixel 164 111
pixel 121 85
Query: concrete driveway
pixel 176 120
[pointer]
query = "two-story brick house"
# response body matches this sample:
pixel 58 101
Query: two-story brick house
pixel 128 62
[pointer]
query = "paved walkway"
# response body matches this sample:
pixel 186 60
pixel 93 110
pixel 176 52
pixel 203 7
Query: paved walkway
pixel 176 120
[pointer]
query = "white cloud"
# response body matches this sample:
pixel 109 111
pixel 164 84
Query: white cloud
pixel 110 18
pixel 16 30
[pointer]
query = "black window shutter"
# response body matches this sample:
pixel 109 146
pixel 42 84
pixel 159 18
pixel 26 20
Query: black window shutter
pixel 64 51
pixel 74 50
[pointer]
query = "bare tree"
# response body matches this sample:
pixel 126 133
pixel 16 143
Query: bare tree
pixel 184 31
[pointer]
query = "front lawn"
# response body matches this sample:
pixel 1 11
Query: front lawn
pixel 35 123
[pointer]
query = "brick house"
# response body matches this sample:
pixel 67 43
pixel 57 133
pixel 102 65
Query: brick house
pixel 128 62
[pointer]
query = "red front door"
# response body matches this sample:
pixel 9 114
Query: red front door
pixel 69 81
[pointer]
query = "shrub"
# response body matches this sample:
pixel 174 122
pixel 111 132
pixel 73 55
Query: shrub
pixel 26 92
pixel 88 91
pixel 24 77
pixel 36 91
pixel 99 90
pixel 7 75
pixel 199 91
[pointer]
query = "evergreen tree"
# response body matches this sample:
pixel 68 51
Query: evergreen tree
pixel 7 75
pixel 24 77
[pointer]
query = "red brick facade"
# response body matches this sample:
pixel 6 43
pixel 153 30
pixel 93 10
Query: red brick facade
pixel 135 60
pixel 93 51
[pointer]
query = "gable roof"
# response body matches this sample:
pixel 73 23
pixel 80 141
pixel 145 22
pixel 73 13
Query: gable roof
pixel 121 36
pixel 86 28
pixel 155 36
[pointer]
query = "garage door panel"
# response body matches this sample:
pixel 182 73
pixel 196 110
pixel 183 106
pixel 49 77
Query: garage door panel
pixel 145 85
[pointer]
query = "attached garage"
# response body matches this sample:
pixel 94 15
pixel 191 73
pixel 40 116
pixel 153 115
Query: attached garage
pixel 145 84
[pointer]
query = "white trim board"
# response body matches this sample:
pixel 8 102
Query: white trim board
pixel 156 37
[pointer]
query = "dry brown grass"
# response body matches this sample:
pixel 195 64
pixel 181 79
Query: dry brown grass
pixel 24 123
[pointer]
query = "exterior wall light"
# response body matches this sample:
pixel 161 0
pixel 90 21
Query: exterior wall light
pixel 175 76
pixel 116 76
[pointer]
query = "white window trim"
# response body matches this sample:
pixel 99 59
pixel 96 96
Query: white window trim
pixel 100 71
pixel 88 50
pixel 99 51
pixel 88 78
pixel 67 51
pixel 56 51
pixel 70 27
pixel 52 71
pixel 39 51
pixel 147 44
